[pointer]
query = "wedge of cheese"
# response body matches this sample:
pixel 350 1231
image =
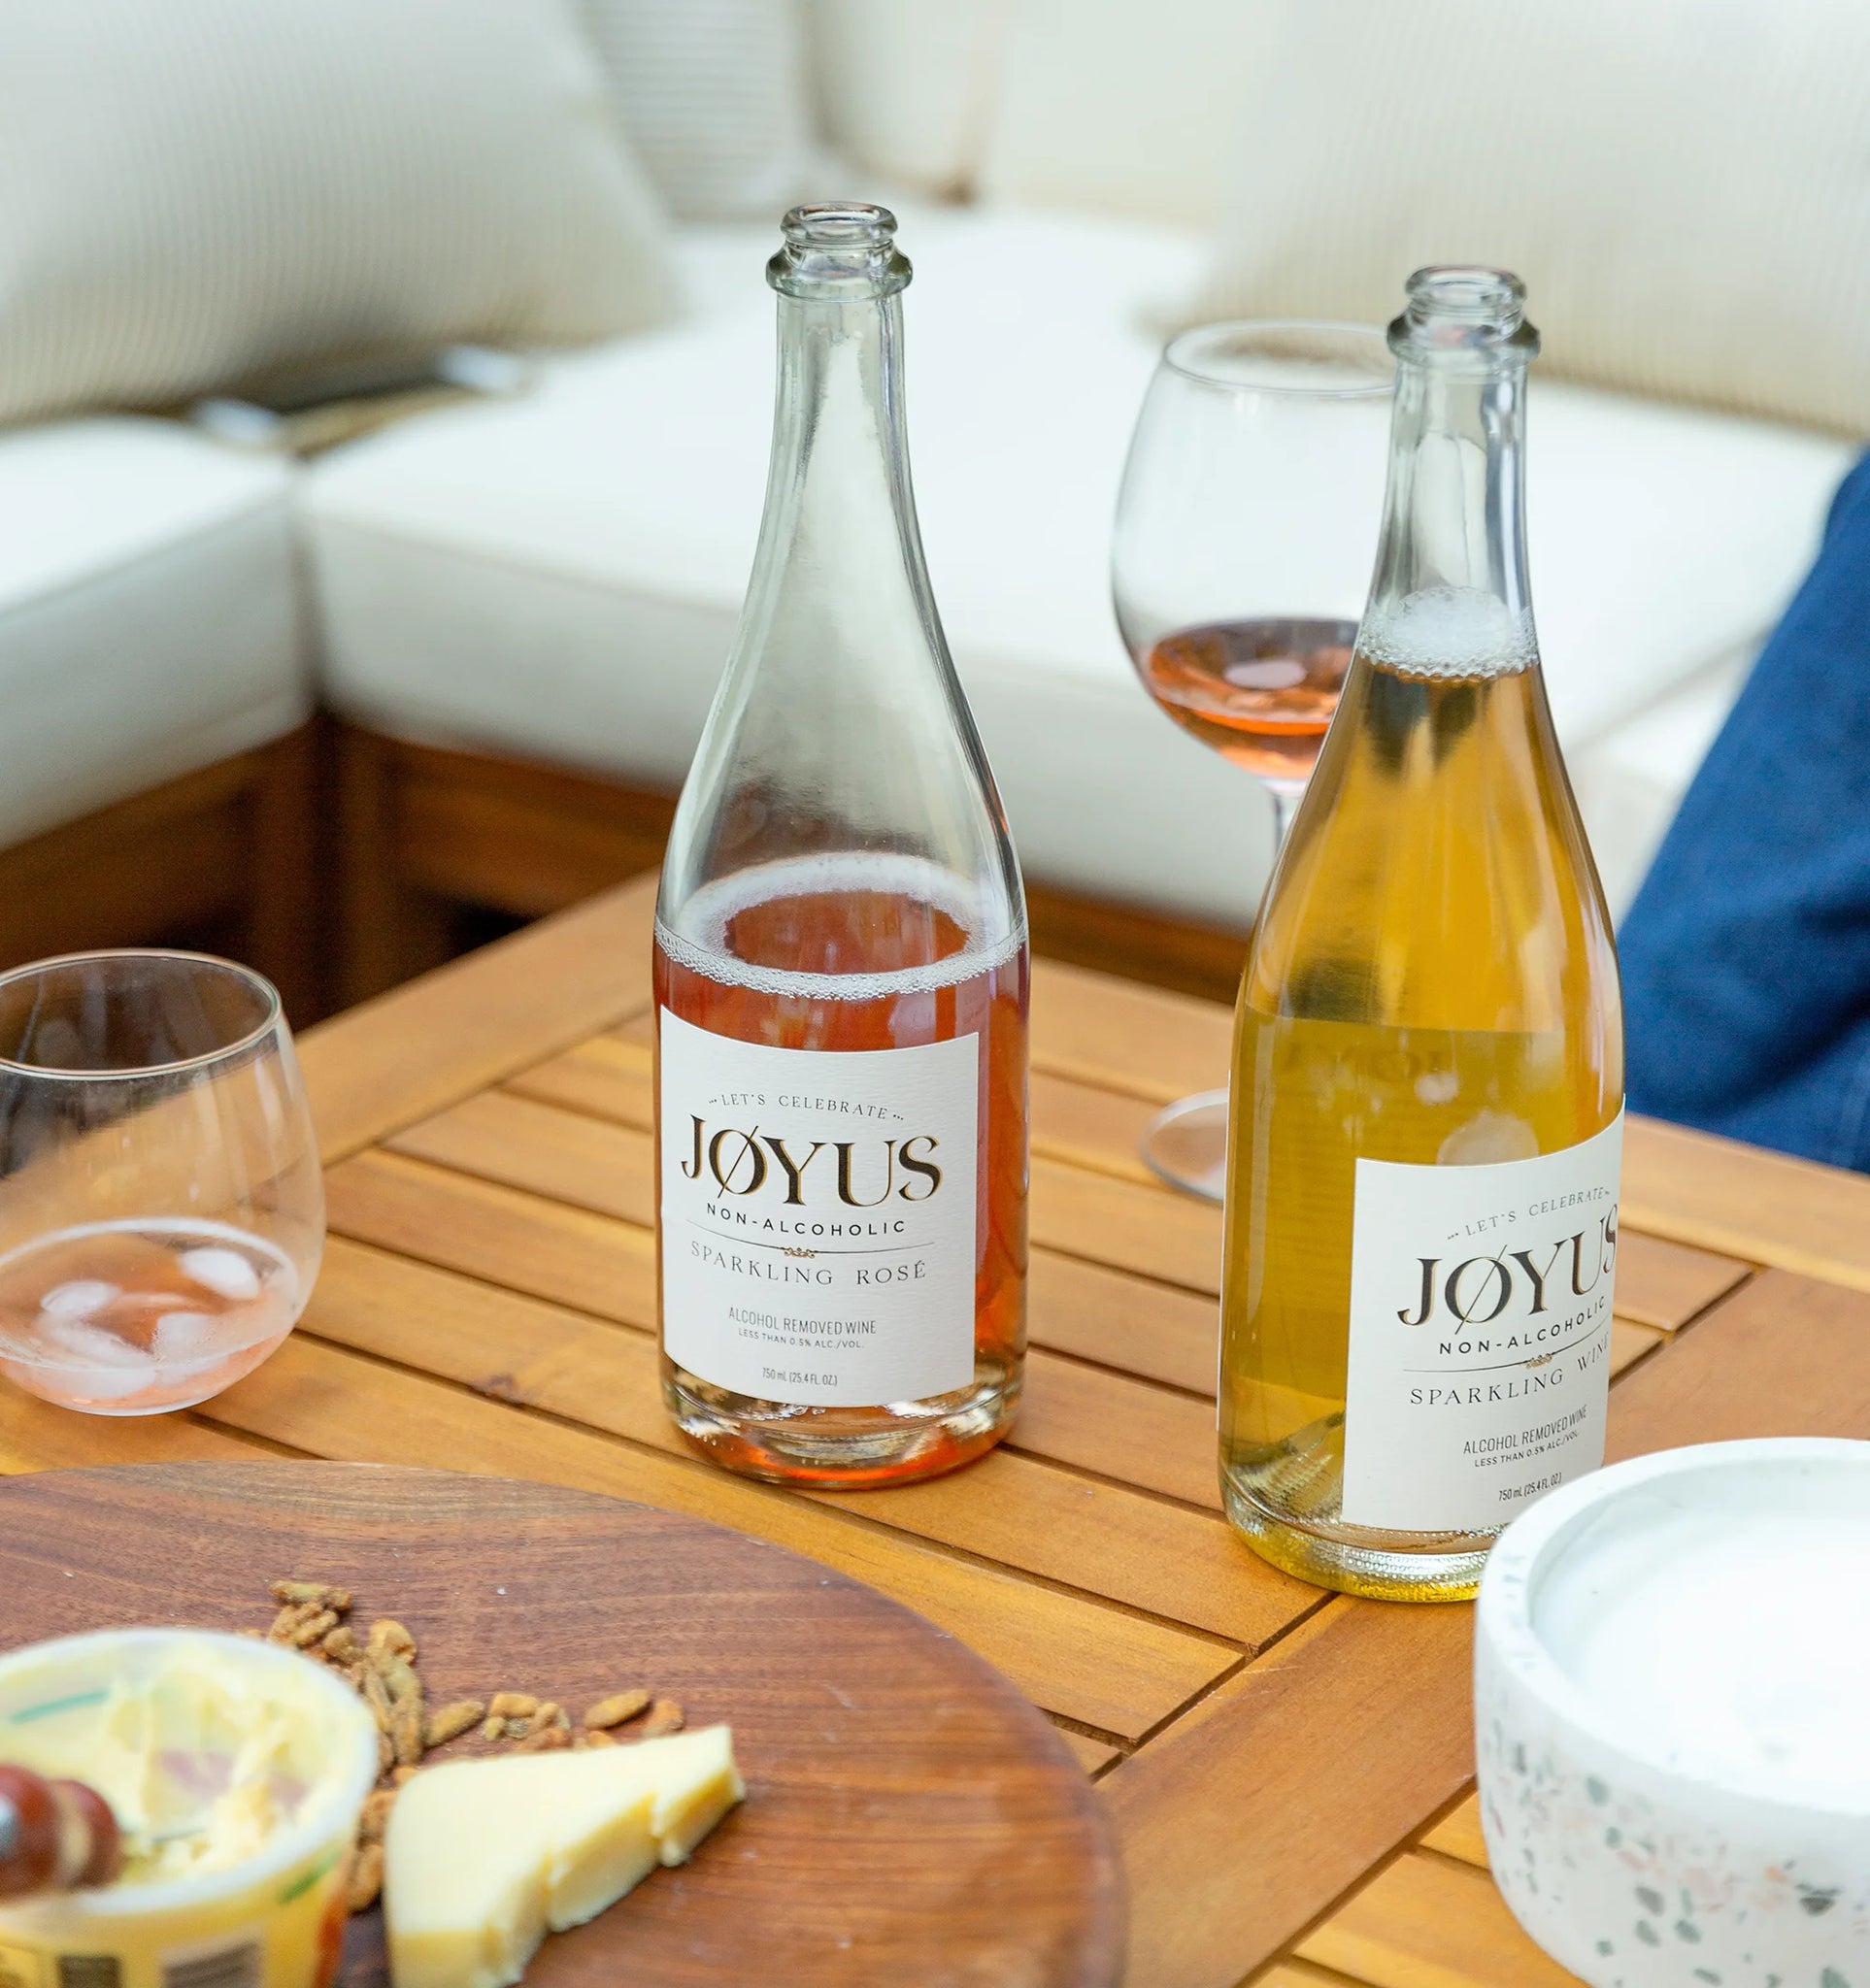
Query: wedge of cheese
pixel 482 1856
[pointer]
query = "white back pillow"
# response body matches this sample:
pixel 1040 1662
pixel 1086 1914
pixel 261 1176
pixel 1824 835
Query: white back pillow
pixel 714 98
pixel 1684 184
pixel 194 193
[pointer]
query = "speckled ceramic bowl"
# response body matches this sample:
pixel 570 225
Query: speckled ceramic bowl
pixel 1672 1695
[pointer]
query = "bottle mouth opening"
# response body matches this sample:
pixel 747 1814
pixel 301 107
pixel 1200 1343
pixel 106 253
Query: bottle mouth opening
pixel 839 225
pixel 838 251
pixel 1463 307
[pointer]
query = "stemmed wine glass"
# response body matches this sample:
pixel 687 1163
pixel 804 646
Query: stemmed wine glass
pixel 1244 530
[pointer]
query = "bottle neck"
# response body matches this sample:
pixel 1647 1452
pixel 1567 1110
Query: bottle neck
pixel 840 512
pixel 837 486
pixel 839 725
pixel 1449 596
pixel 1453 515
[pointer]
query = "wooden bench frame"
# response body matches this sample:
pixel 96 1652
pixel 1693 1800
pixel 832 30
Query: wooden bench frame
pixel 424 828
pixel 338 861
pixel 229 858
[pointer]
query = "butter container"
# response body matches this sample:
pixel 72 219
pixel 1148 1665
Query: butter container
pixel 236 1769
pixel 1672 1700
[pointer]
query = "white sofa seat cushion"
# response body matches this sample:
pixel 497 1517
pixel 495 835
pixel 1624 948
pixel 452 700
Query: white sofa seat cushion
pixel 1631 784
pixel 559 577
pixel 150 614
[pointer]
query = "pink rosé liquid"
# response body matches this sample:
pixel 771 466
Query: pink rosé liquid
pixel 1262 692
pixel 129 1318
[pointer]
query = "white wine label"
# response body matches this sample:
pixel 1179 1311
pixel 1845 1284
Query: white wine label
pixel 818 1216
pixel 1480 1335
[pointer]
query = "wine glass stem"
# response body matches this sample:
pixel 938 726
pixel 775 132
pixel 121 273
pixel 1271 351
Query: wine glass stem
pixel 1285 800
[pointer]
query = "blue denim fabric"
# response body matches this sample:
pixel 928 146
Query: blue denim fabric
pixel 1747 954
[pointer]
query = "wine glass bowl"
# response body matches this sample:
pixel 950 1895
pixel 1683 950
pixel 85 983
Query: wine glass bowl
pixel 1260 691
pixel 161 1205
pixel 1244 525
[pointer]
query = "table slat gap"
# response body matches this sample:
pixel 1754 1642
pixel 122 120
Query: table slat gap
pixel 35 1436
pixel 405 1055
pixel 1252 1607
pixel 1127 1037
pixel 1752 1272
pixel 610 1079
pixel 1663 1282
pixel 1077 1124
pixel 1456 1832
pixel 1147 1231
pixel 1096 1076
pixel 604 1077
pixel 1250 1877
pixel 838 1506
pixel 1097 1753
pixel 265 1445
pixel 1099 1735
pixel 1172 1390
pixel 428 1266
pixel 528 1085
pixel 1434 1852
pixel 1429 1918
pixel 368 1197
pixel 1090 1659
pixel 1631 1344
pixel 1235 1559
pixel 1045 1444
pixel 610 1256
pixel 834 1503
pixel 1268 1654
pixel 1198 1507
pixel 609 1168
pixel 1736 1200
pixel 1180 1287
pixel 1299 1974
pixel 1331 1964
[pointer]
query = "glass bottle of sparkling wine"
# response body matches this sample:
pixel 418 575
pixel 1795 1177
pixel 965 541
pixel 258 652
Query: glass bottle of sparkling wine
pixel 1428 1066
pixel 840 967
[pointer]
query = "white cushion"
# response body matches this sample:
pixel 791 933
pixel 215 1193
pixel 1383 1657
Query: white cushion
pixel 713 96
pixel 559 577
pixel 1684 186
pixel 1122 107
pixel 906 90
pixel 196 192
pixel 149 617
pixel 1630 784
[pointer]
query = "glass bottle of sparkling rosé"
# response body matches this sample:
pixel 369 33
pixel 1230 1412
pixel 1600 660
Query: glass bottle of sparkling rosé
pixel 841 968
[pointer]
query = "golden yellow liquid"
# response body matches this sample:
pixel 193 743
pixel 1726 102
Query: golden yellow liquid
pixel 1432 981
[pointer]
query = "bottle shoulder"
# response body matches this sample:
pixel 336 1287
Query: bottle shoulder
pixel 1438 874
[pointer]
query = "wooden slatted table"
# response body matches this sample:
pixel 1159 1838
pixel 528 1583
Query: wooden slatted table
pixel 1290 1772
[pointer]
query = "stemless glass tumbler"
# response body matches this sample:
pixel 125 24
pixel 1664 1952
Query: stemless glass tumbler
pixel 1244 530
pixel 161 1206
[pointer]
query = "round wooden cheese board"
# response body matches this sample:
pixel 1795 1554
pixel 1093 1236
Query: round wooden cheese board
pixel 909 1816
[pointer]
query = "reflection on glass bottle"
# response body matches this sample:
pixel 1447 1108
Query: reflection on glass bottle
pixel 841 961
pixel 1428 1068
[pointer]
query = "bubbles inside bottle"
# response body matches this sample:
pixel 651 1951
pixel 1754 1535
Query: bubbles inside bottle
pixel 1452 632
pixel 814 899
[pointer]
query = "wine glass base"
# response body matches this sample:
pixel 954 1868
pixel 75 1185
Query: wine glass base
pixel 1185 1145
